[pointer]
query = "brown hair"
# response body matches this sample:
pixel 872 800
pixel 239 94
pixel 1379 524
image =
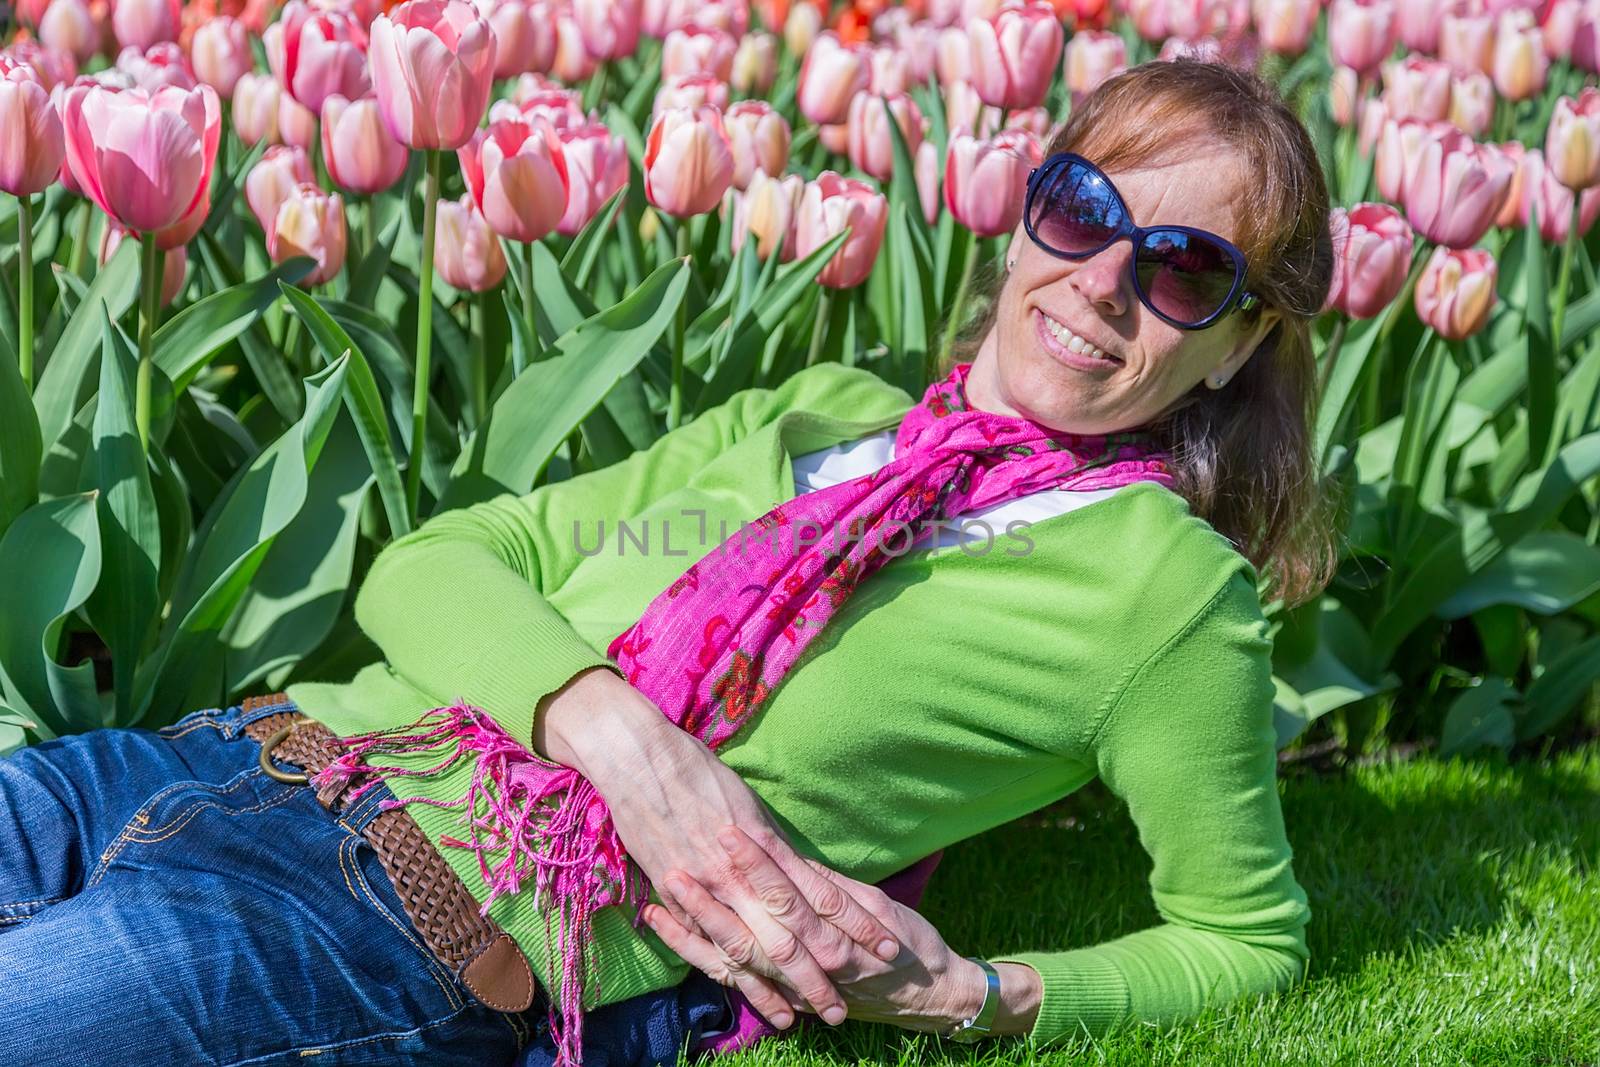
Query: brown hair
pixel 1243 455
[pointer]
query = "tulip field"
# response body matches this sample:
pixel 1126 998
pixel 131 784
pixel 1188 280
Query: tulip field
pixel 280 282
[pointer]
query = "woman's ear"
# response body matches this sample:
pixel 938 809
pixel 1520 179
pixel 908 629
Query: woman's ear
pixel 1250 339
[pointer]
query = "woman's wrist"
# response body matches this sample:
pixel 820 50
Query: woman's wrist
pixel 1020 993
pixel 594 722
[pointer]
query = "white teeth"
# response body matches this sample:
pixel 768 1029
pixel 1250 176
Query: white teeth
pixel 1071 341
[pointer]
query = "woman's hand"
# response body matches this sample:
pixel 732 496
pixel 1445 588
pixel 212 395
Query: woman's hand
pixel 927 987
pixel 668 793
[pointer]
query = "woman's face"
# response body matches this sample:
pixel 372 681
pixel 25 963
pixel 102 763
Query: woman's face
pixel 1024 369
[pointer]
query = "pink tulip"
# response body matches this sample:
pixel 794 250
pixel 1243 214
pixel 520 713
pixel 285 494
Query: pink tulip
pixel 953 56
pixel 610 28
pixel 1398 150
pixel 525 36
pixel 1456 189
pixel 559 107
pixel 142 23
pixel 927 175
pixel 361 154
pixel 755 64
pixel 964 112
pixel 297 124
pixel 528 86
pixel 767 210
pixel 759 137
pixel 572 63
pixel 68 26
pixel 1523 163
pixel 315 54
pixel 1199 49
pixel 1193 19
pixel 1091 58
pixel 1361 33
pixel 468 255
pixel 730 16
pixel 1456 292
pixel 1555 204
pixel 51 66
pixel 30 13
pixel 144 158
pixel 1418 22
pixel 597 166
pixel 871 145
pixel 919 43
pixel 888 71
pixel 1472 104
pixel 1149 19
pixel 801 29
pixel 835 137
pixel 1034 120
pixel 688 162
pixel 1285 26
pixel 828 206
pixel 1014 55
pixel 1561 25
pixel 280 171
pixel 517 175
pixel 1370 126
pixel 696 51
pixel 830 78
pixel 174 263
pixel 1520 63
pixel 1345 96
pixel 1373 248
pixel 1572 142
pixel 160 65
pixel 220 54
pixel 691 91
pixel 310 223
pixel 432 69
pixel 657 18
pixel 32 144
pixel 1466 42
pixel 255 108
pixel 1417 88
pixel 984 181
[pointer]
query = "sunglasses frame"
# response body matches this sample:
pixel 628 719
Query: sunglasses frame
pixel 1238 298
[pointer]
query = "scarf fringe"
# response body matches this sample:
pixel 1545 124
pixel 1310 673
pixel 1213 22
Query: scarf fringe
pixel 551 828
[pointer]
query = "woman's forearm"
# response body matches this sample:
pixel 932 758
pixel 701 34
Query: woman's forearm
pixel 597 724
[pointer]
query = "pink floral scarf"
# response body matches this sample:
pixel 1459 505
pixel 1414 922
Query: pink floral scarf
pixel 714 645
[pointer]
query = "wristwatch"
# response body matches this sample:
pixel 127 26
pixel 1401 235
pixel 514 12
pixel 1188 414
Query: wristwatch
pixel 978 1027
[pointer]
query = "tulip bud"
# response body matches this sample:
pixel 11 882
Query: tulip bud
pixel 418 49
pixel 1466 42
pixel 68 26
pixel 759 137
pixel 830 77
pixel 871 145
pixel 279 172
pixel 688 162
pixel 1344 96
pixel 985 181
pixel 1417 88
pixel 1014 54
pixel 220 54
pixel 1372 244
pixel 1472 104
pixel 467 254
pixel 1285 26
pixel 255 108
pixel 1361 33
pixel 755 64
pixel 525 37
pixel 1456 190
pixel 597 166
pixel 767 210
pixel 142 23
pixel 828 206
pixel 1456 291
pixel 927 175
pixel 1572 142
pixel 361 154
pixel 517 175
pixel 695 51
pixel 1091 58
pixel 1520 63
pixel 610 28
pixel 32 142
pixel 310 223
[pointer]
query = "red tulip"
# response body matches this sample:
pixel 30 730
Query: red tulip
pixel 828 206
pixel 220 54
pixel 310 223
pixel 767 210
pixel 688 162
pixel 142 23
pixel 361 154
pixel 432 69
pixel 1361 33
pixel 1572 141
pixel 315 54
pixel 831 76
pixel 1014 55
pixel 517 175
pixel 759 137
pixel 871 145
pixel 468 255
pixel 597 166
pixel 1091 58
pixel 280 171
pixel 696 51
pixel 1456 189
pixel 984 181
pixel 1373 245
pixel 1456 291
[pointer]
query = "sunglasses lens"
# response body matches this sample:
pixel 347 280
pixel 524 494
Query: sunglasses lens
pixel 1185 276
pixel 1074 211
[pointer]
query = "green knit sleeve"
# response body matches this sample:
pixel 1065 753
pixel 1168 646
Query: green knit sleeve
pixel 458 606
pixel 1188 743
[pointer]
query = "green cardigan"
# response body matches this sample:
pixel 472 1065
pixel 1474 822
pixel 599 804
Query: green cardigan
pixel 952 693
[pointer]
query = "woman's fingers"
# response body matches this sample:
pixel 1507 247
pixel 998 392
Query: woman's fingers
pixel 750 939
pixel 776 1004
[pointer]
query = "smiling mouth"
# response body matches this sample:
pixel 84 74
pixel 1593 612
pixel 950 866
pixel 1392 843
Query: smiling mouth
pixel 1073 343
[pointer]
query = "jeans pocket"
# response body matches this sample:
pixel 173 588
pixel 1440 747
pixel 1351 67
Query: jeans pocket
pixel 213 718
pixel 369 883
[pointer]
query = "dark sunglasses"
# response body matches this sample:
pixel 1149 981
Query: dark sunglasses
pixel 1189 278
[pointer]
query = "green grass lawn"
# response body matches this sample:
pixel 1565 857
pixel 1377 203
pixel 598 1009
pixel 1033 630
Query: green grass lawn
pixel 1456 919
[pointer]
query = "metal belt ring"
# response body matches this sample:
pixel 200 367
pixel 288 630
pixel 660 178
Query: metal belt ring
pixel 291 777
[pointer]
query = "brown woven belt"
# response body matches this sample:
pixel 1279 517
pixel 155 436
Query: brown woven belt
pixel 488 960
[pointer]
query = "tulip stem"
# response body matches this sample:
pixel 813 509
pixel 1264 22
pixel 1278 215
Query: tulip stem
pixel 25 290
pixel 957 311
pixel 80 239
pixel 1558 317
pixel 150 306
pixel 819 328
pixel 419 392
pixel 477 323
pixel 530 311
pixel 597 86
pixel 1330 353
pixel 680 324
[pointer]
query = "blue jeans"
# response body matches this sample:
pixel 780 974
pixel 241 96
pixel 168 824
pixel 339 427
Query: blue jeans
pixel 161 895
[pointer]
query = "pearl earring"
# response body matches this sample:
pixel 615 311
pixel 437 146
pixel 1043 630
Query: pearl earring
pixel 1218 381
pixel 1011 263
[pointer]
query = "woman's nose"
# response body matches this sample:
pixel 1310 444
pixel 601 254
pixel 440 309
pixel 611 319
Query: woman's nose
pixel 1102 279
